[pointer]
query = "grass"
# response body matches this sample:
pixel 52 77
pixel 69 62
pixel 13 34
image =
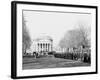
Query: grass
pixel 50 62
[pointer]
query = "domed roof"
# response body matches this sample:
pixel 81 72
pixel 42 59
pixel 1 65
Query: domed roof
pixel 44 37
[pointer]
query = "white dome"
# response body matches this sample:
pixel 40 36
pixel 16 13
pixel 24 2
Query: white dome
pixel 44 37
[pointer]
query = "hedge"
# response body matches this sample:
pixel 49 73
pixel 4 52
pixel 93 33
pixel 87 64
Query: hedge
pixel 74 56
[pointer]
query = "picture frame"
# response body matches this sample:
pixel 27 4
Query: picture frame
pixel 55 14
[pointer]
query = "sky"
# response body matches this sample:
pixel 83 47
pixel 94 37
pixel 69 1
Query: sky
pixel 53 24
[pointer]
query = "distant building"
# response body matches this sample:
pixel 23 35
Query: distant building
pixel 42 45
pixel 60 50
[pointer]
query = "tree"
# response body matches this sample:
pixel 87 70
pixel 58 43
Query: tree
pixel 26 40
pixel 76 37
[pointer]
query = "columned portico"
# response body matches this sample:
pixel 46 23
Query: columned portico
pixel 42 45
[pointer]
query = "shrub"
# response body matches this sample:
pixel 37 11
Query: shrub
pixel 64 55
pixel 51 53
pixel 85 57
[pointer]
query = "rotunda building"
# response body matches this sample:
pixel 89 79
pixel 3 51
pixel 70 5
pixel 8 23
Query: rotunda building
pixel 42 45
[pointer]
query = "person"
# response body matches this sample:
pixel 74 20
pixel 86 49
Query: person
pixel 34 54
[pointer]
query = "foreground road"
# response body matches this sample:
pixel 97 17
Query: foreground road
pixel 50 62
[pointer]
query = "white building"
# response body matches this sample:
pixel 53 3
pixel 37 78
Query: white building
pixel 59 49
pixel 43 44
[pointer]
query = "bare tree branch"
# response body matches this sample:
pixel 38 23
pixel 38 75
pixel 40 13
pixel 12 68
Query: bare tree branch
pixel 75 38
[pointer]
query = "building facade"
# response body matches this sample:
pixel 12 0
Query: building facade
pixel 42 45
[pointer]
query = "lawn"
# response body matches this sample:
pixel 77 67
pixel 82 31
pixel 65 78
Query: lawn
pixel 50 62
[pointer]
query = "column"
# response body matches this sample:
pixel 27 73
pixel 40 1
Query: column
pixel 48 47
pixel 42 46
pixel 38 46
pixel 51 46
pixel 45 46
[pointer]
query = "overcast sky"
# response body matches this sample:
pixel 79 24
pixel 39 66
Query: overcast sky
pixel 53 24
